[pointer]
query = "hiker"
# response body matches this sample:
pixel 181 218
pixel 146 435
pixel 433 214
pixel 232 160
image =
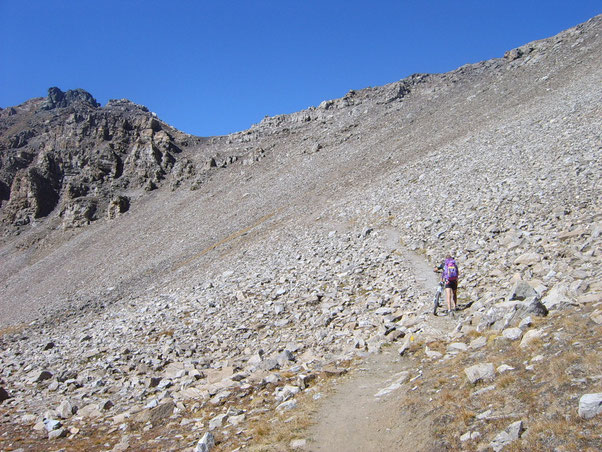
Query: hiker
pixel 449 277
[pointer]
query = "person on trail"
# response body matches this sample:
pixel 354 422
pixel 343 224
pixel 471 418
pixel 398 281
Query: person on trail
pixel 449 276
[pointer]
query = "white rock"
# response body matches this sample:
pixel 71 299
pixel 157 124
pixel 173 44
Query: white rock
pixel 287 392
pixel 433 354
pixel 298 444
pixel 479 342
pixel 217 421
pixel 590 405
pixel 478 372
pixel 65 410
pixel 525 323
pixel 206 443
pixel 288 405
pixel 457 347
pixel 236 420
pixel 557 298
pixel 58 433
pixel 528 259
pixel 512 433
pixel 531 336
pixel 504 368
pixel 52 424
pixel 513 334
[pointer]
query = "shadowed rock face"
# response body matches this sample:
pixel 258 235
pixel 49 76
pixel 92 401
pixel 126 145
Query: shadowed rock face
pixel 67 155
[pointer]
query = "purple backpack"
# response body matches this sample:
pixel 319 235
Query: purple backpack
pixel 450 270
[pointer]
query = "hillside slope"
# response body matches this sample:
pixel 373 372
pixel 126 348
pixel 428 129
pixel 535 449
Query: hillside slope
pixel 290 252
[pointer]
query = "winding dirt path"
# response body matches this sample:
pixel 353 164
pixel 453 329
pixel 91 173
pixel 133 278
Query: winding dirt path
pixel 363 414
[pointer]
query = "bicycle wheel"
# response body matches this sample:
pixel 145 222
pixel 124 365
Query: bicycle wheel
pixel 436 301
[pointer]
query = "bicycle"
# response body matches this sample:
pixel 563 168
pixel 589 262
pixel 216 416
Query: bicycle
pixel 437 297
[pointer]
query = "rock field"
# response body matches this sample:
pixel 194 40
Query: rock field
pixel 303 242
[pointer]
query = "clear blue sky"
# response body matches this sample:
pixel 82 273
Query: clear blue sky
pixel 215 67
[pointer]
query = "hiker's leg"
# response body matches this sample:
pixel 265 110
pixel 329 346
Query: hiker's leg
pixel 448 297
pixel 455 298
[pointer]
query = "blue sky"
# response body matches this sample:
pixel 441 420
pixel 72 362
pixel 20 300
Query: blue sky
pixel 215 67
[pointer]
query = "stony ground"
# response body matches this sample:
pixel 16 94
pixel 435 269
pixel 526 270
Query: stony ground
pixel 226 308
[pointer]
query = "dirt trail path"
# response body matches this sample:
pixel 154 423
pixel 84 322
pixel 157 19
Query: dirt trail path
pixel 363 413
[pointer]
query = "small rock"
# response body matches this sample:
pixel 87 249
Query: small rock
pixel 596 317
pixel 527 259
pixel 154 382
pixel 557 298
pixel 164 384
pixel 163 411
pixel 479 342
pixel 65 410
pixel 122 445
pixel 513 334
pixel 433 354
pixel 285 357
pixel 28 418
pixel 106 405
pixel 504 368
pixel 406 345
pixel 52 424
pixel 512 433
pixel 217 421
pixel 121 418
pixel 532 306
pixel 332 371
pixel 3 395
pixel 206 443
pixel 236 420
pixel 457 347
pixel 484 390
pixel 288 405
pixel 287 392
pixel 298 444
pixel 91 410
pixel 42 376
pixel 59 433
pixel 525 323
pixel 531 336
pixel 522 290
pixel 49 346
pixel 478 372
pixel 220 397
pixel 269 364
pixel 590 405
pixel 484 415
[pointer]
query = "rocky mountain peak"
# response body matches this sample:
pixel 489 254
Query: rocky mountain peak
pixel 59 99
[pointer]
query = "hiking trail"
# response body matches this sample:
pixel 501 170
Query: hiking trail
pixel 363 412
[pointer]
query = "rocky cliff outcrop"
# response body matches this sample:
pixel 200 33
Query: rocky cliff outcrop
pixel 66 155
